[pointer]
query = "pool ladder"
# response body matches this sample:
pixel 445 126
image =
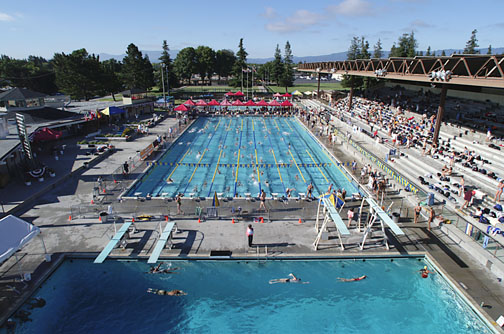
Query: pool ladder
pixel 258 252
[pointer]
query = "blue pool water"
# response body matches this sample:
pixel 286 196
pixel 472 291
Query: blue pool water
pixel 235 297
pixel 238 155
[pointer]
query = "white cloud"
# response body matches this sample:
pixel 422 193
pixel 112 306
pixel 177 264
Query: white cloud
pixel 421 24
pixel 300 20
pixel 5 17
pixel 352 8
pixel 269 13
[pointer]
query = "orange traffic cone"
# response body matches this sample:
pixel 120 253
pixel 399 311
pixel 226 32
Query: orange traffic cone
pixel 92 201
pixel 133 219
pixel 115 181
pixel 199 220
pixel 69 218
pixel 300 221
pixel 104 190
pixel 99 218
pixel 262 220
pixel 232 221
pixel 166 218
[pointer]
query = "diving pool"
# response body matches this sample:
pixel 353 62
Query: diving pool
pixel 233 156
pixel 236 297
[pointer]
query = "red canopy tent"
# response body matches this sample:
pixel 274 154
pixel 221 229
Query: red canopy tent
pixel 287 95
pixel 181 108
pixel 250 103
pixel 238 103
pixel 277 95
pixel 262 103
pixel 274 103
pixel 47 134
pixel 213 103
pixel 201 103
pixel 238 93
pixel 189 103
pixel 229 94
pixel 225 103
pixel 286 103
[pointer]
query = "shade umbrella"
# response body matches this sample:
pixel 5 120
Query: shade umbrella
pixel 201 103
pixel 286 103
pixel 262 103
pixel 297 93
pixel 181 108
pixel 229 94
pixel 277 95
pixel 308 92
pixel 189 103
pixel 225 103
pixel 238 103
pixel 274 103
pixel 213 103
pixel 250 103
pixel 286 95
pixel 47 134
pixel 238 93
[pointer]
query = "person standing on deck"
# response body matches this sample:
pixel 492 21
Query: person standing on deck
pixel 250 235
pixel 262 198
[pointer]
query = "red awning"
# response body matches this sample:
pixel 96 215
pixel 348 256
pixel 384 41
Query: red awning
pixel 262 103
pixel 225 103
pixel 189 103
pixel 238 93
pixel 250 103
pixel 238 103
pixel 229 94
pixel 201 103
pixel 286 103
pixel 213 103
pixel 274 103
pixel 286 95
pixel 277 95
pixel 47 134
pixel 181 108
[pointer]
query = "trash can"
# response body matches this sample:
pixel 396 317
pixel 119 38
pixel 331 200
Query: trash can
pixel 104 217
pixel 395 217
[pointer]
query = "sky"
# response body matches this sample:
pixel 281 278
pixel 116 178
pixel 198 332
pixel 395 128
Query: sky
pixel 42 28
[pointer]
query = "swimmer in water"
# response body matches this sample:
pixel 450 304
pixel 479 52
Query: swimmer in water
pixel 166 293
pixel 352 279
pixel 297 177
pixel 424 272
pixel 290 279
pixel 169 180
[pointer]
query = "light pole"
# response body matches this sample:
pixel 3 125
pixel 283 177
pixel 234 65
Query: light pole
pixel 162 80
pixel 167 81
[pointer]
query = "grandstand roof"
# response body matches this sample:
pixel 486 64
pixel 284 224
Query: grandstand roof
pixel 19 94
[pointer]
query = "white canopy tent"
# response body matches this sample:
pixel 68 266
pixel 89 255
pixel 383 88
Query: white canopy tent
pixel 14 234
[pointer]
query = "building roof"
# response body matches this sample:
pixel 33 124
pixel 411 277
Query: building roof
pixel 19 94
pixel 133 91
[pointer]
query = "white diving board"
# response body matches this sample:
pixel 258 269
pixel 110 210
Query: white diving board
pixel 112 243
pixel 384 217
pixel 335 217
pixel 163 239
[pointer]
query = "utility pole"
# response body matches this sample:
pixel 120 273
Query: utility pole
pixel 167 81
pixel 162 79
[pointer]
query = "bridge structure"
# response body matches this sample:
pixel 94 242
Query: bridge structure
pixel 465 70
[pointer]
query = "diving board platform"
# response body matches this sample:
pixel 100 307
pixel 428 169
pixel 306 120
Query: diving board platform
pixel 112 243
pixel 163 240
pixel 384 217
pixel 330 214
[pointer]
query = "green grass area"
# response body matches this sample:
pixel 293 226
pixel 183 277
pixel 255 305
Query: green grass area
pixel 310 87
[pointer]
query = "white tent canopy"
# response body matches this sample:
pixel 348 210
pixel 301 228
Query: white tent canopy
pixel 14 234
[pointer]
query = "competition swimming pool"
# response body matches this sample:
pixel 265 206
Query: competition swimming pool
pixel 236 297
pixel 233 156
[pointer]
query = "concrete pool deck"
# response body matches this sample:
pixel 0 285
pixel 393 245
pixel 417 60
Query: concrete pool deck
pixel 281 233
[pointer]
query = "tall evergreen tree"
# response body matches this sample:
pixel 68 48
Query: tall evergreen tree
pixel 288 74
pixel 137 71
pixel 489 51
pixel 406 46
pixel 240 65
pixel 378 50
pixel 224 61
pixel 428 53
pixel 364 49
pixel 111 72
pixel 443 54
pixel 278 66
pixel 185 64
pixel 166 63
pixel 354 52
pixel 472 44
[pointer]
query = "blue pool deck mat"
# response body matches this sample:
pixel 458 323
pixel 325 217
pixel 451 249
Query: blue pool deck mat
pixel 163 239
pixel 112 243
pixel 335 217
pixel 384 217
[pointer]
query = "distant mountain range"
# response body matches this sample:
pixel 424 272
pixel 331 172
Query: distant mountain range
pixel 154 56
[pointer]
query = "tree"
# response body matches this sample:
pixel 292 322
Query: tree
pixel 354 52
pixel 406 46
pixel 205 62
pixel 472 44
pixel 443 54
pixel 78 74
pixel 378 50
pixel 185 63
pixel 428 53
pixel 354 49
pixel 278 67
pixel 166 63
pixel 239 65
pixel 224 61
pixel 137 71
pixel 489 52
pixel 288 73
pixel 34 73
pixel 111 71
pixel 264 71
